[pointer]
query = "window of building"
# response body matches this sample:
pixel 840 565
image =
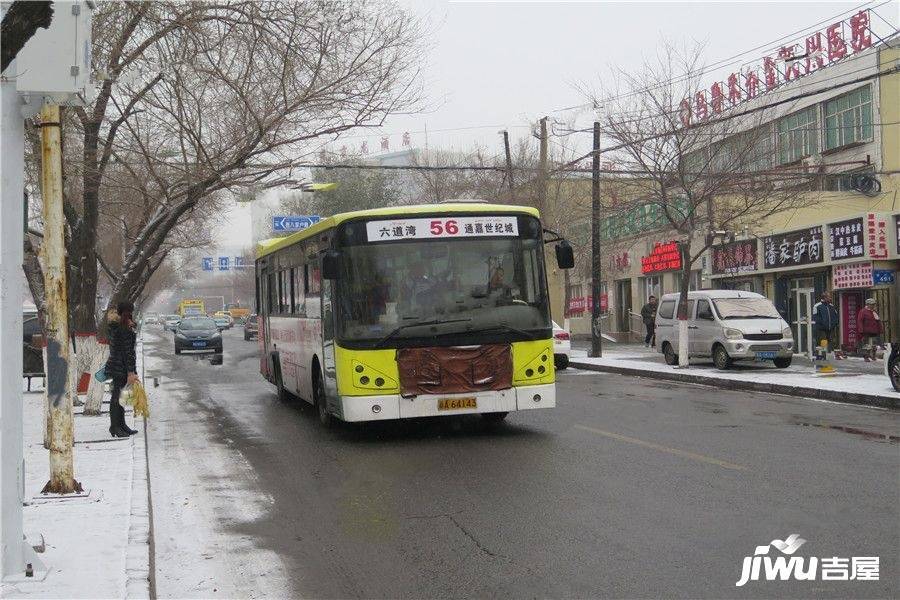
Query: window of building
pixel 798 135
pixel 652 286
pixel 696 282
pixel 848 118
pixel 843 182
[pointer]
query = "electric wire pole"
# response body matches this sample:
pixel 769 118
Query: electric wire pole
pixel 509 168
pixel 596 335
pixel 60 421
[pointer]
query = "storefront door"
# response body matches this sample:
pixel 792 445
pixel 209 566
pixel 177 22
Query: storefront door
pixel 623 305
pixel 802 292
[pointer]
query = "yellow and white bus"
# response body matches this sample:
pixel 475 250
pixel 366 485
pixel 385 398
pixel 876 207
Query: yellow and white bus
pixel 411 311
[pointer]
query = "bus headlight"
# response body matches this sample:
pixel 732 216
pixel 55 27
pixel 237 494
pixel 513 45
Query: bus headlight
pixel 787 333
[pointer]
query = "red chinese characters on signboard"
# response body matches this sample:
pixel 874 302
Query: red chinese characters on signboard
pixel 664 257
pixel 855 275
pixel 737 257
pixel 811 52
pixel 582 304
pixel 851 302
pixel 877 229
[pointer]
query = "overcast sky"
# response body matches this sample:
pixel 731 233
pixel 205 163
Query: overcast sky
pixel 496 65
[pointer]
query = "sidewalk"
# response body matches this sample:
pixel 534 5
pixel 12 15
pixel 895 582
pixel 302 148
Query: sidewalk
pixel 97 544
pixel 856 381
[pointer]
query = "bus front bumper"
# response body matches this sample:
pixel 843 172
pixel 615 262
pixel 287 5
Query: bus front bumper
pixel 394 406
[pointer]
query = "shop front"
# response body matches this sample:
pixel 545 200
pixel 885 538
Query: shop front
pixel 735 265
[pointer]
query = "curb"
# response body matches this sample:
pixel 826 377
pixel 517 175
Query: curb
pixel 753 386
pixel 139 552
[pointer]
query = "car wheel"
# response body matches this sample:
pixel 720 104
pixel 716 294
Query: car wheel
pixel 561 362
pixel 721 358
pixel 669 353
pixel 494 418
pixel 177 351
pixel 782 362
pixel 325 417
pixel 894 371
pixel 246 337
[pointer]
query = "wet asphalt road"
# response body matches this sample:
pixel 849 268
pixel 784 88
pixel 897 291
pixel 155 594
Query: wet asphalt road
pixel 630 488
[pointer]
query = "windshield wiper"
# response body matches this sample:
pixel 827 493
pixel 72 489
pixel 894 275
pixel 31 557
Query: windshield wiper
pixel 400 328
pixel 505 327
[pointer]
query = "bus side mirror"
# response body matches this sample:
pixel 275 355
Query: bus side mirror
pixel 331 264
pixel 565 256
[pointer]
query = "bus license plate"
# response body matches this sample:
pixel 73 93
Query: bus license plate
pixel 456 403
pixel 199 344
pixel 765 355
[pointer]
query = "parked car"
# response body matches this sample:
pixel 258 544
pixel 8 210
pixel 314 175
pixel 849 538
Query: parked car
pixel 892 363
pixel 251 327
pixel 727 325
pixel 170 322
pixel 562 347
pixel 198 334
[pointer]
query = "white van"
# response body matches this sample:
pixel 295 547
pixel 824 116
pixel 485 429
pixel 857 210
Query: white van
pixel 727 325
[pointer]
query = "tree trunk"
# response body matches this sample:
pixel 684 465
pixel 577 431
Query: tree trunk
pixel 683 331
pixel 83 250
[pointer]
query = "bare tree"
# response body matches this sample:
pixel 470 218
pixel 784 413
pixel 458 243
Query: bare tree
pixel 200 99
pixel 713 177
pixel 20 23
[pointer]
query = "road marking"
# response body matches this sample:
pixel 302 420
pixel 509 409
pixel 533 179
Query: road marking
pixel 675 451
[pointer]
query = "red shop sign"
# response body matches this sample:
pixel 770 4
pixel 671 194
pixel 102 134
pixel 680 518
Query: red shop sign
pixel 665 257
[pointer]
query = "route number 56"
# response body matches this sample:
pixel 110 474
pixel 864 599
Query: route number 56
pixel 449 227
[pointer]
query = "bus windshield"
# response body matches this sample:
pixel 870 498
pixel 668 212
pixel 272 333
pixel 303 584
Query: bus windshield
pixel 461 286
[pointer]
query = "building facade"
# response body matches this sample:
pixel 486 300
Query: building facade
pixel 842 234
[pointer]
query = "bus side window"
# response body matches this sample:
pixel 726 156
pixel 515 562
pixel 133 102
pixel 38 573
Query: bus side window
pixel 313 291
pixel 272 304
pixel 297 285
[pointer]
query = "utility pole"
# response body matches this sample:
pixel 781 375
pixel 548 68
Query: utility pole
pixel 509 168
pixel 542 190
pixel 61 424
pixel 596 336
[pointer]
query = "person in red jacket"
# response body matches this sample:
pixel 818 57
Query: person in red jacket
pixel 868 323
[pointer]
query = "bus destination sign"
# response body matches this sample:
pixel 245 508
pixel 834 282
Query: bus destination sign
pixel 442 227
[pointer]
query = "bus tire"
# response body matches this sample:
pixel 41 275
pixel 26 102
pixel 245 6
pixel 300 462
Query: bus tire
pixel 325 417
pixel 283 395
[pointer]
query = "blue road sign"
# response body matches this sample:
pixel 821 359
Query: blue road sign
pixel 294 222
pixel 207 263
pixel 881 276
pixel 239 262
pixel 224 262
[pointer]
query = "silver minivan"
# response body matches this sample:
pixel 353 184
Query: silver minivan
pixel 726 325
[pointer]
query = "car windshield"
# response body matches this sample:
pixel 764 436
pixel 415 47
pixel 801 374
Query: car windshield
pixel 455 286
pixel 745 308
pixel 197 324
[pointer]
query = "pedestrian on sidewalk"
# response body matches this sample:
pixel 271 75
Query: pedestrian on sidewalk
pixel 868 323
pixel 825 324
pixel 648 315
pixel 122 364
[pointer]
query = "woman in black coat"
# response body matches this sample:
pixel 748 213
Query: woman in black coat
pixel 121 365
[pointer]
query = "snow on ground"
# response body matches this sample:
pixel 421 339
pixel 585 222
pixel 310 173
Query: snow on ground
pixel 848 380
pixel 86 538
pixel 203 493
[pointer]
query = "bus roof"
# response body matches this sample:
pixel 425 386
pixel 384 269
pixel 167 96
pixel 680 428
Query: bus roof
pixel 266 247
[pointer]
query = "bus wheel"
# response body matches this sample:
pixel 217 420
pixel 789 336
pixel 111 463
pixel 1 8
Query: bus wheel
pixel 494 418
pixel 283 395
pixel 325 417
